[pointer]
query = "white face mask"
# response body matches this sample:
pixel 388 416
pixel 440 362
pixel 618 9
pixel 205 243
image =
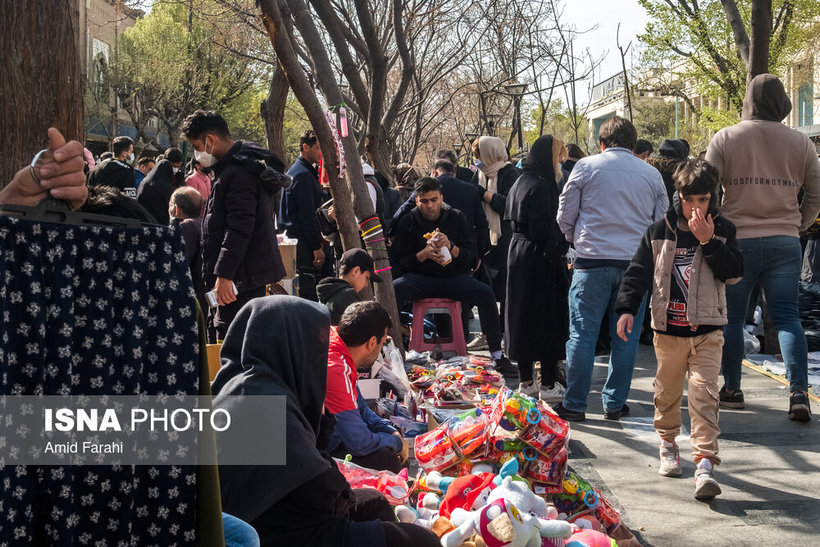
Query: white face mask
pixel 175 169
pixel 205 159
pixel 131 158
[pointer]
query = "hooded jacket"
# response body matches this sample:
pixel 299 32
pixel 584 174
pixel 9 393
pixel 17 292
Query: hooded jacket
pixel 155 191
pixel 763 165
pixel 715 264
pixel 117 174
pixel 358 431
pixel 337 295
pixel 238 233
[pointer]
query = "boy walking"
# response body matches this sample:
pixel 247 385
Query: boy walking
pixel 686 259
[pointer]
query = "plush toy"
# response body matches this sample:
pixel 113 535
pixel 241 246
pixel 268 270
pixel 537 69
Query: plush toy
pixel 590 538
pixel 468 492
pixel 501 524
pixel 519 494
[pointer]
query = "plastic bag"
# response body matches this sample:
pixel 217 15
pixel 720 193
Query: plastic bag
pixel 549 435
pixel 468 431
pixel 548 472
pixel 390 366
pixel 435 450
pixel 751 345
pixel 393 486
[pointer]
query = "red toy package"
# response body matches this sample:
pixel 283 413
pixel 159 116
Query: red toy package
pixel 549 473
pixel 435 451
pixel 549 435
pixel 393 486
pixel 468 430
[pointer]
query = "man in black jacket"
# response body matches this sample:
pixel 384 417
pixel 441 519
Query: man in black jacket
pixel 297 213
pixel 461 173
pixel 425 238
pixel 117 172
pixel 156 188
pixel 240 252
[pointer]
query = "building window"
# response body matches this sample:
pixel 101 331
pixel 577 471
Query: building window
pixel 805 105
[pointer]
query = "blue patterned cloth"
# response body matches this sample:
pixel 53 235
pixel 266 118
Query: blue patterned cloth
pixel 96 311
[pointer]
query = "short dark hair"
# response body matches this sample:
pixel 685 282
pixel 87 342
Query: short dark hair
pixel 445 166
pixel 361 321
pixel 642 146
pixel 174 155
pixel 189 200
pixel 203 122
pixel 145 160
pixel 120 145
pixel 695 177
pixel 574 151
pixel 446 154
pixel 427 184
pixel 107 200
pixel 618 131
pixel 308 137
pixel 405 175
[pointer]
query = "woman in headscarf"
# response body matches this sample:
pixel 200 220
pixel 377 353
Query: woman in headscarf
pixel 537 314
pixel 278 345
pixel 495 176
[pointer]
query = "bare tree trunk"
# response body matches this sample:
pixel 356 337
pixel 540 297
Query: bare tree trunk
pixel 42 84
pixel 276 16
pixel 761 29
pixel 273 113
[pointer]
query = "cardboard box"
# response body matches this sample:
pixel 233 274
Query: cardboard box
pixel 288 253
pixel 370 388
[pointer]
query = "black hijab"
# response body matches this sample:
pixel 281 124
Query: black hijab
pixel 766 99
pixel 277 345
pixel 539 160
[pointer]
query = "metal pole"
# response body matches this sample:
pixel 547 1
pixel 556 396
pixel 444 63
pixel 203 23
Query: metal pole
pixel 518 118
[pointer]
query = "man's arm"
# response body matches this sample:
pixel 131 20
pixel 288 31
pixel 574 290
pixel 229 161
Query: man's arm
pixel 725 259
pixel 403 209
pixel 373 421
pixel 661 198
pixel 638 278
pixel 240 222
pixel 569 204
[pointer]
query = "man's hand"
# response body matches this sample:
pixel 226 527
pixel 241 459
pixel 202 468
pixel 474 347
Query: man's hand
pixel 625 325
pixel 430 252
pixel 224 291
pixel 702 228
pixel 440 240
pixel 318 257
pixel 60 170
pixel 405 451
pixel 331 212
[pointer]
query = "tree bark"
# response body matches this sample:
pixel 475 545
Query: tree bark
pixel 278 21
pixel 273 113
pixel 42 86
pixel 761 30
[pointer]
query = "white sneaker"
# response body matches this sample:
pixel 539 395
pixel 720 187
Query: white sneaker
pixel 554 394
pixel 670 460
pixel 706 487
pixel 528 389
pixel 478 343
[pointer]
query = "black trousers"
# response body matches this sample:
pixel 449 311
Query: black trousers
pixel 310 275
pixel 372 519
pixel 219 319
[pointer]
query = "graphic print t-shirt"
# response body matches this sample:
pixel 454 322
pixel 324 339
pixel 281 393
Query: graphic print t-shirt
pixel 676 322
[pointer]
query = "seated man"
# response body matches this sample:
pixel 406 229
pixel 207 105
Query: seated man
pixel 337 293
pixel 354 346
pixel 426 272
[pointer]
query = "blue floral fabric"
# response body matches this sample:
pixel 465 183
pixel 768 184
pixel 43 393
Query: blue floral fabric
pixel 96 310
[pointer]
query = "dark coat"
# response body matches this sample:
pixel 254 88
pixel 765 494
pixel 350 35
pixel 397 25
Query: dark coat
pixel 410 240
pixel 337 295
pixel 297 211
pixel 464 173
pixel 495 257
pixel 536 310
pixel 117 174
pixel 238 233
pixel 155 191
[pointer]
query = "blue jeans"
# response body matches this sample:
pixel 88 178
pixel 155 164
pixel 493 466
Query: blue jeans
pixel 775 261
pixel 238 533
pixel 592 294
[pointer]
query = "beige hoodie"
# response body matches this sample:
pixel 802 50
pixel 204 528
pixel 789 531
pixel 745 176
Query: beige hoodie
pixel 763 166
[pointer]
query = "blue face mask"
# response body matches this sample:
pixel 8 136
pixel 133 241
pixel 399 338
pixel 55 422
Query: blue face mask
pixel 479 164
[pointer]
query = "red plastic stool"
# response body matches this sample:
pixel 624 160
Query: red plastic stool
pixel 427 306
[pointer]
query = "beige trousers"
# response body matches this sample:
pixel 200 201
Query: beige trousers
pixel 699 358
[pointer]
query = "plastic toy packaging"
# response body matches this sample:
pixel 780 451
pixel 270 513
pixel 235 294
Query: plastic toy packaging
pixel 468 431
pixel 452 393
pixel 549 435
pixel 607 514
pixel 548 472
pixel 479 376
pixel 435 450
pixel 514 412
pixel 393 486
pixel 577 497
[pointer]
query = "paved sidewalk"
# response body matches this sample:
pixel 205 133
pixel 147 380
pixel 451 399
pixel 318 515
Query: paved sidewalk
pixel 770 474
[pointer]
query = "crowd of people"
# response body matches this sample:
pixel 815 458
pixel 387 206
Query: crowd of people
pixel 554 254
